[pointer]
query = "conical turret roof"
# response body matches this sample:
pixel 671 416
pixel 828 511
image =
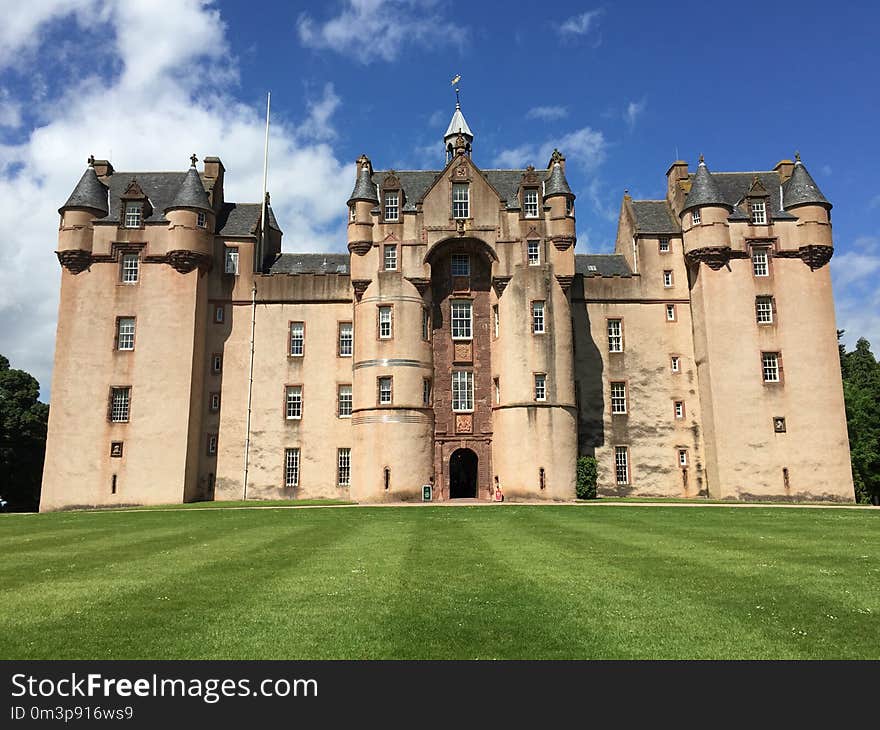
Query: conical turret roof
pixel 89 193
pixel 458 126
pixel 801 189
pixel 704 190
pixel 556 184
pixel 364 189
pixel 191 193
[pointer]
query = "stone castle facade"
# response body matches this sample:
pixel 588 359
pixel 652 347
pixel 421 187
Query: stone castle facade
pixel 461 343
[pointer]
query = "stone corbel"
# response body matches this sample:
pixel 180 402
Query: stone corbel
pixel 184 261
pixel 816 256
pixel 565 282
pixel 360 247
pixel 499 283
pixel 715 257
pixel 563 243
pixel 359 286
pixel 74 261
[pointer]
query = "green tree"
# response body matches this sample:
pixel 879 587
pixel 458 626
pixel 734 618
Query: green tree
pixel 861 391
pixel 587 475
pixel 22 437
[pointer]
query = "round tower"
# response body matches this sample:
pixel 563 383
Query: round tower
pixel 802 197
pixel 363 199
pixel 561 221
pixel 705 230
pixel 191 221
pixel 87 202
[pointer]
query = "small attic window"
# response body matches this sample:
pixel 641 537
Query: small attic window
pixel 201 219
pixel 530 202
pixel 759 212
pixel 590 267
pixel 133 215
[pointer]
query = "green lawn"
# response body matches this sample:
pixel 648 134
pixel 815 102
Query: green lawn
pixel 501 581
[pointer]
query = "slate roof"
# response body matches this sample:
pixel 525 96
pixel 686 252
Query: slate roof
pixel 654 216
pixel 801 189
pixel 556 183
pixel 310 263
pixel 704 190
pixel 364 189
pixel 89 193
pixel 734 186
pixel 191 193
pixel 241 219
pixel 606 264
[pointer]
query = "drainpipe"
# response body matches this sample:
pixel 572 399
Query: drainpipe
pixel 247 438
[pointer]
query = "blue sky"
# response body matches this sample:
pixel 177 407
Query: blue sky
pixel 622 90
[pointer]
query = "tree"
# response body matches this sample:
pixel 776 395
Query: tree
pixel 861 391
pixel 587 475
pixel 23 422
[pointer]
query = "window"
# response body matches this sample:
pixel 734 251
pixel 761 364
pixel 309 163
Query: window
pixel 759 212
pixel 219 314
pixel 343 469
pixel 215 402
pixel 569 206
pixel 542 478
pixel 534 253
pixel 497 383
pixel 216 363
pixel 618 398
pixel 530 203
pixel 621 464
pixel 391 205
pixel 293 402
pixel 761 261
pixel 201 219
pixel 352 214
pixel 291 468
pixel 462 390
pixel 231 265
pixel 675 362
pixel 664 245
pixel 426 391
pixel 667 278
pixel 385 329
pixel 120 398
pixel 346 339
pixel 695 217
pixel 343 399
pixel 297 338
pixel 496 321
pixel 460 264
pixel 133 214
pixel 385 392
pixel 460 200
pixel 212 444
pixel 679 408
pixel 462 319
pixel 538 318
pixel 386 475
pixel 391 258
pixel 130 266
pixel 125 333
pixel 670 312
pixel 764 310
pixel 615 335
pixel 426 324
pixel 682 457
pixel 770 365
pixel 540 386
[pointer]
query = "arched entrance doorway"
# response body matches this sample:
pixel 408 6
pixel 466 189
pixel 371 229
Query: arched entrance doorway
pixel 462 474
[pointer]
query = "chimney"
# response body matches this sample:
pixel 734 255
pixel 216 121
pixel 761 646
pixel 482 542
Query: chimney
pixel 103 168
pixel 675 176
pixel 214 171
pixel 783 169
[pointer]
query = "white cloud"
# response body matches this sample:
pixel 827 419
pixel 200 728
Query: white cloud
pixel 152 117
pixel 853 266
pixel 547 113
pixel 579 24
pixel 369 30
pixel 584 147
pixel 633 111
pixel 10 110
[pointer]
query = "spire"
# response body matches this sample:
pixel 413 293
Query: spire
pixel 556 184
pixel 191 193
pixel 458 127
pixel 801 189
pixel 364 189
pixel 704 190
pixel 89 193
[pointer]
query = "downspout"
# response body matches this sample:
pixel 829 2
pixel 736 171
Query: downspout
pixel 247 438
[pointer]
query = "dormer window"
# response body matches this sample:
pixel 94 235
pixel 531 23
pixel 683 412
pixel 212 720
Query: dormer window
pixel 759 212
pixel 133 215
pixel 695 217
pixel 201 220
pixel 530 203
pixel 392 207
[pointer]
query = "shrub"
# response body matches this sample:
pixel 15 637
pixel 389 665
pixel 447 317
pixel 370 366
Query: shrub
pixel 586 477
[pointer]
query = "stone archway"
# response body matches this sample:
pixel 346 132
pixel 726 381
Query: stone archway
pixel 463 467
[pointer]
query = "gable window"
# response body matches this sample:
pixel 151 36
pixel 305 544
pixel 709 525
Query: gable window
pixel 343 399
pixel 675 363
pixel 130 268
pixel 761 261
pixel 615 335
pixel 201 219
pixel 618 398
pixel 770 367
pixel 540 386
pixel 293 408
pixel 667 279
pixel 297 338
pixel 125 333
pixel 460 264
pixel 391 205
pixel 385 390
pixel 231 261
pixel 538 318
pixel 291 468
pixel 534 253
pixel 664 245
pixel 462 319
pixel 764 310
pixel 670 312
pixel 460 200
pixel 621 464
pixel 346 339
pixel 462 391
pixel 385 329
pixel 120 398
pixel 695 217
pixel 343 469
pixel 679 409
pixel 391 258
pixel 759 212
pixel 134 215
pixel 530 203
pixel 426 391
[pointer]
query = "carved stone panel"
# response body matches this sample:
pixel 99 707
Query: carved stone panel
pixel 464 352
pixel 464 423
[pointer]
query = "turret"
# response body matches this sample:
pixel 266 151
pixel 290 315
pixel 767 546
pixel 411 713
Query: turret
pixel 458 127
pixel 561 226
pixel 87 202
pixel 361 202
pixel 191 220
pixel 802 197
pixel 704 215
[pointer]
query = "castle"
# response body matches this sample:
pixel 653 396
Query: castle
pixel 461 343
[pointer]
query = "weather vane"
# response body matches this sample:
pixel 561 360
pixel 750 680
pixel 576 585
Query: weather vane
pixel 455 84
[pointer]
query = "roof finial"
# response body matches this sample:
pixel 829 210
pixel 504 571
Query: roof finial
pixel 91 160
pixel 702 161
pixel 455 84
pixel 797 157
pixel 193 159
